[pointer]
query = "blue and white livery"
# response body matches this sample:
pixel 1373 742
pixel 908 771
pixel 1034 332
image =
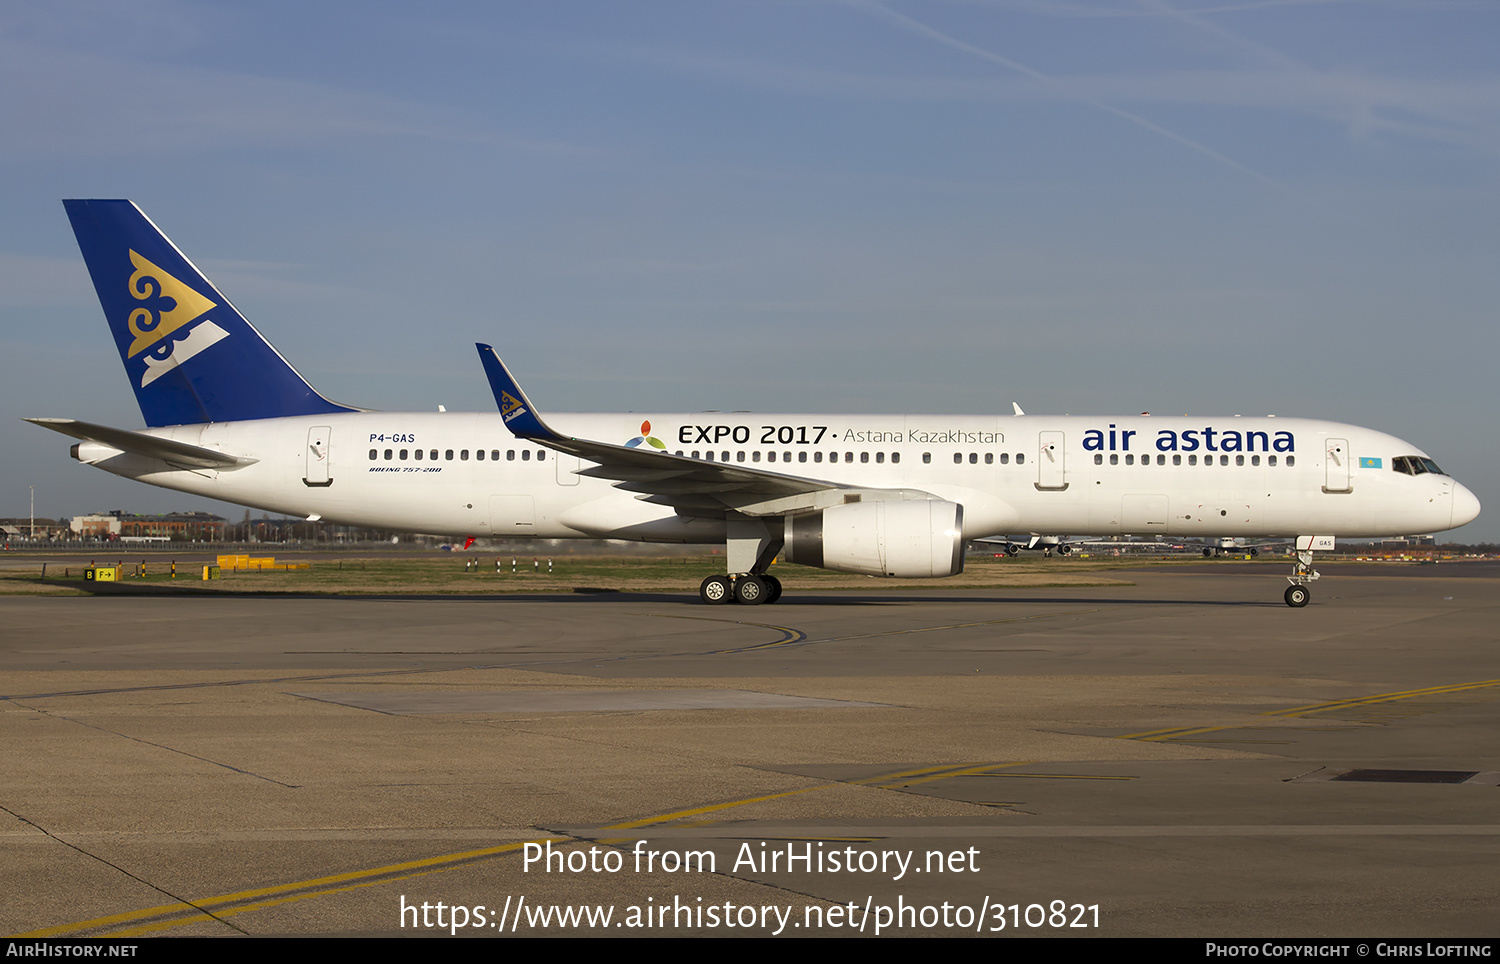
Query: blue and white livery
pixel 887 495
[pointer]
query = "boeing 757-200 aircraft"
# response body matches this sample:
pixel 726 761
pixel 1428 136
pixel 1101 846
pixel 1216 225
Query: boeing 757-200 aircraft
pixel 885 495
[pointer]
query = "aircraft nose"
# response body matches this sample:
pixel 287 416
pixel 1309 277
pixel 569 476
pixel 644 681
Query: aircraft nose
pixel 1465 506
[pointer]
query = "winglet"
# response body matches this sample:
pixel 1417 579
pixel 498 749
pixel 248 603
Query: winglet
pixel 519 414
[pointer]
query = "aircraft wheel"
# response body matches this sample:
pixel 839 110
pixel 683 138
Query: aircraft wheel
pixel 1297 596
pixel 716 590
pixel 750 590
pixel 773 589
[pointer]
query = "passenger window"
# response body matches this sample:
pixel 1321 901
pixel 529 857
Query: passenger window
pixel 1223 460
pixel 1239 460
pixel 1291 460
pixel 989 458
pixel 1176 460
pixel 739 456
pixel 848 457
pixel 433 456
pixel 543 454
pixel 723 456
pixel 448 455
pixel 417 455
pixel 1270 460
pixel 864 457
pixel 1020 457
pixel 372 455
pixel 387 455
pixel 525 455
pixel 1255 460
pixel 463 456
pixel 1114 459
pixel 973 458
pixel 755 456
pixel 926 458
pixel 1129 459
pixel 404 454
pixel 958 458
pixel 895 457
pixel 510 455
pixel 479 455
pixel 1098 459
pixel 708 456
pixel 1004 458
pixel 817 456
pixel 879 458
pixel 494 455
pixel 802 456
pixel 1192 460
pixel 770 456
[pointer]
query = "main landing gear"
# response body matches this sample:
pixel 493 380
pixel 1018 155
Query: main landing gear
pixel 747 589
pixel 750 548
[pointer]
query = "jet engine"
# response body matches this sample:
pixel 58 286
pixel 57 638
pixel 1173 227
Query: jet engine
pixel 916 539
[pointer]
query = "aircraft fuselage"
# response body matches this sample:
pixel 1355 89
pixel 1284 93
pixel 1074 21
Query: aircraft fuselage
pixel 466 474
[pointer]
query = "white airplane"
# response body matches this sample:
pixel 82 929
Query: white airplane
pixel 885 495
pixel 1236 546
pixel 1012 545
pixel 1063 545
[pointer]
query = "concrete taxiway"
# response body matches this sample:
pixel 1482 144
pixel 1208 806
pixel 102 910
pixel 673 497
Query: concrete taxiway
pixel 1183 756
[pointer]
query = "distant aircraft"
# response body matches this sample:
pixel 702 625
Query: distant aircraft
pixel 886 495
pixel 1062 545
pixel 1231 545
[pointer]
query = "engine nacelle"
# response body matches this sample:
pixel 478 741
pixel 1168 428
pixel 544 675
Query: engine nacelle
pixel 912 540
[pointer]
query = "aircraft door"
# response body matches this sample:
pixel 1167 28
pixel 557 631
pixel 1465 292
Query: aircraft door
pixel 512 514
pixel 317 470
pixel 1336 465
pixel 1051 462
pixel 1141 513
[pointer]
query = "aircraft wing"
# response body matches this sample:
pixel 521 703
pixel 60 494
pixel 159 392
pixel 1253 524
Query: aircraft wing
pixel 692 486
pixel 139 443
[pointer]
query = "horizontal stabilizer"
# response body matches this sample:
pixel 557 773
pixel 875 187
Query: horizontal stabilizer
pixel 149 446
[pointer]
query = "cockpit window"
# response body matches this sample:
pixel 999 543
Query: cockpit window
pixel 1415 465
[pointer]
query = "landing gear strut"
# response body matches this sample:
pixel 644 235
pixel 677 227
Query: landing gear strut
pixel 750 548
pixel 1297 594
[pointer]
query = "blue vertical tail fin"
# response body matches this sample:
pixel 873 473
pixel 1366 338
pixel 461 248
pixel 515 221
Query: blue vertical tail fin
pixel 190 355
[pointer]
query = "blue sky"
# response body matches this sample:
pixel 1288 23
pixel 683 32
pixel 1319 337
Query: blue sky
pixel 1100 206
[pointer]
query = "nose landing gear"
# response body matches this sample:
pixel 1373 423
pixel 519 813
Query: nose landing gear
pixel 1297 594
